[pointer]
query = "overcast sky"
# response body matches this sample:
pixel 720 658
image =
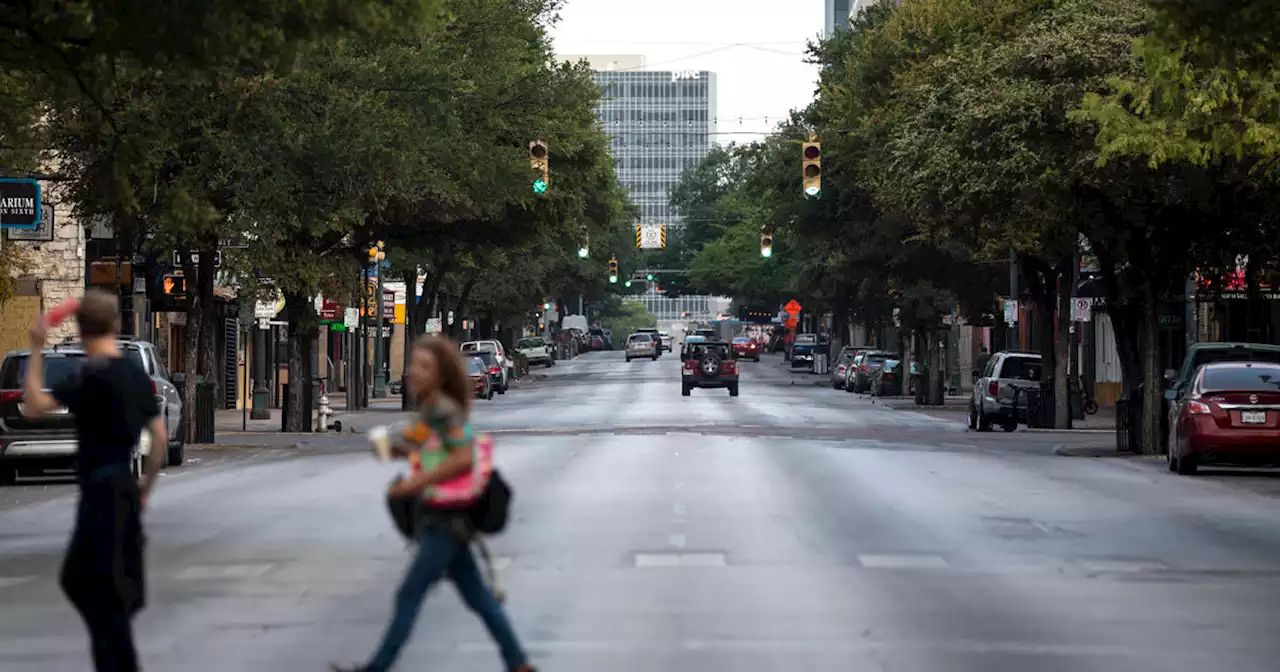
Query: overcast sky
pixel 755 47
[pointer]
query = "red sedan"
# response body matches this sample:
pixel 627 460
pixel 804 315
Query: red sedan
pixel 745 348
pixel 1230 415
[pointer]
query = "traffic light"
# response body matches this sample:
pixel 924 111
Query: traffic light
pixel 541 166
pixel 766 244
pixel 583 251
pixel 811 168
pixel 613 270
pixel 172 293
pixel 649 277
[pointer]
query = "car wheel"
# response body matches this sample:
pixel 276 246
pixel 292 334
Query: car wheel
pixel 684 390
pixel 848 388
pixel 1010 424
pixel 628 360
pixel 835 385
pixel 1171 453
pixel 973 416
pixel 176 455
pixel 733 390
pixel 8 475
pixel 984 425
pixel 757 359
pixel 655 358
pixel 1187 465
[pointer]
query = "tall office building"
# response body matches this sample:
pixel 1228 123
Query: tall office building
pixel 661 122
pixel 838 13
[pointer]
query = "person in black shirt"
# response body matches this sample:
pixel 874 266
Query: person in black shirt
pixel 112 401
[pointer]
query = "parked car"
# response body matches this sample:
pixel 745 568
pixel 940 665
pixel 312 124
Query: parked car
pixel 397 386
pixel 643 345
pixel 500 354
pixel 481 382
pixel 1230 414
pixel 887 380
pixel 998 391
pixel 708 364
pixel 497 374
pixel 802 350
pixel 49 442
pixel 745 348
pixel 537 350
pixel 596 339
pixel 862 368
pixel 1199 355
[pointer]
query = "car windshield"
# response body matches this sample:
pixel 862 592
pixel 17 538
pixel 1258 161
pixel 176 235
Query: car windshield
pixel 695 339
pixel 488 357
pixel 891 365
pixel 1242 379
pixel 741 339
pixel 57 368
pixel 640 338
pixel 475 366
pixel 530 343
pixel 1212 355
pixel 479 347
pixel 702 349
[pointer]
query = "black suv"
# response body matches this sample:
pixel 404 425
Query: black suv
pixel 708 364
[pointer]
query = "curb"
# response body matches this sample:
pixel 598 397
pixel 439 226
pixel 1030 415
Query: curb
pixel 1068 431
pixel 1063 450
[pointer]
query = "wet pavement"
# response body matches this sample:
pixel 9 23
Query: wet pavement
pixel 792 527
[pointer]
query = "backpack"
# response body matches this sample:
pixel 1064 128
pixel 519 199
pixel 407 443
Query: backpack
pixel 488 514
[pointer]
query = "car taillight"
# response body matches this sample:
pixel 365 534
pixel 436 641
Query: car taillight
pixel 495 370
pixel 730 366
pixel 10 396
pixel 1198 408
pixel 840 369
pixel 993 388
pixel 154 390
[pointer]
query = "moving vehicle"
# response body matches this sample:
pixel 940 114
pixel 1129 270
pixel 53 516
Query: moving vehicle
pixel 667 342
pixel 500 353
pixel 998 391
pixel 657 337
pixel 745 348
pixel 480 380
pixel 537 350
pixel 642 344
pixel 802 350
pixel 1198 355
pixel 49 442
pixel 708 364
pixel 597 340
pixel 862 368
pixel 497 374
pixel 1230 414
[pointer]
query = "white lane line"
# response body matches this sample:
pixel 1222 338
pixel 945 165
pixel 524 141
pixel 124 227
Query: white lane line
pixel 10 581
pixel 677 540
pixel 902 561
pixel 657 560
pixel 678 508
pixel 207 572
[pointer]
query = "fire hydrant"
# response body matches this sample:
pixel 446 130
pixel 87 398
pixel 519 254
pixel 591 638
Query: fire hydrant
pixel 323 413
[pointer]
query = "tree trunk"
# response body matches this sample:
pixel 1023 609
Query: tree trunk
pixel 1152 392
pixel 410 310
pixel 302 328
pixel 937 367
pixel 456 327
pixel 207 365
pixel 1062 349
pixel 191 350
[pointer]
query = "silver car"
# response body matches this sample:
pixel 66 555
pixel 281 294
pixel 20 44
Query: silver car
pixel 999 391
pixel 643 345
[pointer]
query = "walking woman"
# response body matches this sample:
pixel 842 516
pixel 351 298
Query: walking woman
pixel 438 378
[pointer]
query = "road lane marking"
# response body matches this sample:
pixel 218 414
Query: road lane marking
pixel 10 581
pixel 678 508
pixel 208 572
pixel 656 560
pixel 902 561
pixel 677 540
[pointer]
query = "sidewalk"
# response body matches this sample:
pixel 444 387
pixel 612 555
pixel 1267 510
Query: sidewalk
pixel 234 420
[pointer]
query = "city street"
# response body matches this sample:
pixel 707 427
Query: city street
pixel 791 528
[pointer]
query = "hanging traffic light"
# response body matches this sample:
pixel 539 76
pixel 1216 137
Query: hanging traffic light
pixel 811 168
pixel 613 270
pixel 649 277
pixel 541 166
pixel 583 252
pixel 766 244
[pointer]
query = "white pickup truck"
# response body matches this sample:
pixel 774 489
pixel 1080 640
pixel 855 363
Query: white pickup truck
pixel 537 350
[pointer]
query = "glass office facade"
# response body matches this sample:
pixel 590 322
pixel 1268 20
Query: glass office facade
pixel 661 123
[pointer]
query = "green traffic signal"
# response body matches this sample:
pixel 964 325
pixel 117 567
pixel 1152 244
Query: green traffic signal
pixel 766 252
pixel 650 277
pixel 627 283
pixel 539 186
pixel 613 278
pixel 582 251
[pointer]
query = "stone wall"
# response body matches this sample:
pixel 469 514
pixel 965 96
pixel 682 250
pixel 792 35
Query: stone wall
pixel 58 265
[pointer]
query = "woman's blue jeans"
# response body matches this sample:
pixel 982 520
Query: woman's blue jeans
pixel 442 553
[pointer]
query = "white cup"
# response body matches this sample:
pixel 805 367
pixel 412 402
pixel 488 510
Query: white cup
pixel 380 437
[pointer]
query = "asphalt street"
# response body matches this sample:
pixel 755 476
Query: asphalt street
pixel 791 528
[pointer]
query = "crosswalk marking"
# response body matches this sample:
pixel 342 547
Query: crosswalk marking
pixel 656 560
pixel 207 572
pixel 902 561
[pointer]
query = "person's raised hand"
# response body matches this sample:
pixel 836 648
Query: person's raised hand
pixel 38 335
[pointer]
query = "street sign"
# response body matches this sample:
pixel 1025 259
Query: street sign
pixel 1081 310
pixel 351 317
pixel 264 323
pixel 19 203
pixel 38 234
pixel 1010 312
pixel 433 325
pixel 179 260
pixel 651 236
pixel 329 310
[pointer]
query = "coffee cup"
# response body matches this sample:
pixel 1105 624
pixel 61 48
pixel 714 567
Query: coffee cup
pixel 380 437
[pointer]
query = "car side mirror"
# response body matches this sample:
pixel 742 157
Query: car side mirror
pixel 1171 395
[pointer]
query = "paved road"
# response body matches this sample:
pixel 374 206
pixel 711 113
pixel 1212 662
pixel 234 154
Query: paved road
pixel 829 534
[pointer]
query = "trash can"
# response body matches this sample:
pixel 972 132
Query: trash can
pixel 820 364
pixel 204 413
pixel 1076 394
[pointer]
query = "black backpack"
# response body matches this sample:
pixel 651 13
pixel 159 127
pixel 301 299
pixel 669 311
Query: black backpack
pixel 487 515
